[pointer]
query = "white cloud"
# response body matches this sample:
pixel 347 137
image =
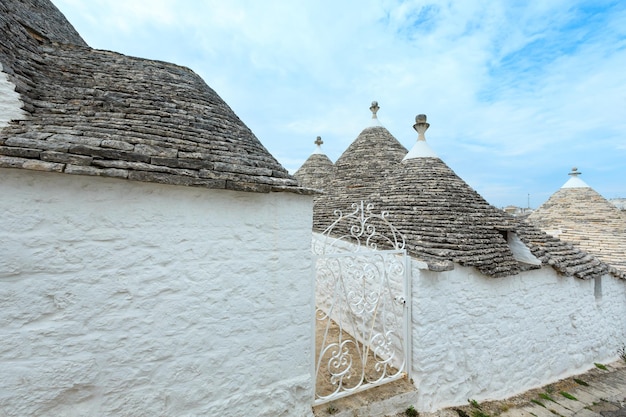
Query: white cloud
pixel 508 87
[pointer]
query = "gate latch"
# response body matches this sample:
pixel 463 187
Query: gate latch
pixel 400 299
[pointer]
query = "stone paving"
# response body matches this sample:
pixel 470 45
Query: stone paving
pixel 603 396
pixel 596 393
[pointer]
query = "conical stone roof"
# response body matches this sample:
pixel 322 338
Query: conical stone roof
pixel 317 171
pixel 445 221
pixel 41 19
pixel 578 214
pixel 442 217
pixel 92 112
pixel 359 171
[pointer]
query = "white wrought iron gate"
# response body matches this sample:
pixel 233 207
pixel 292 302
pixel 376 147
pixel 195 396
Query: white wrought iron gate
pixel 362 308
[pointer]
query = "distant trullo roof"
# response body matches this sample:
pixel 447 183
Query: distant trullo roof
pixel 360 170
pixel 317 171
pixel 93 112
pixel 444 221
pixel 578 214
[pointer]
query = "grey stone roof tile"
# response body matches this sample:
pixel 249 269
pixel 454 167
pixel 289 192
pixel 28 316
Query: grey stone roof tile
pixel 316 172
pixel 42 19
pixel 92 112
pixel 444 221
pixel 358 173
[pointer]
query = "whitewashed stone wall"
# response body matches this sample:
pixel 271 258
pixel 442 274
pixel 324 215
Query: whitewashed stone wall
pixel 134 299
pixel 482 338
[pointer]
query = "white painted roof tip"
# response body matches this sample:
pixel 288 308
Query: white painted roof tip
pixel 10 101
pixel 318 146
pixel 421 149
pixel 374 109
pixel 575 182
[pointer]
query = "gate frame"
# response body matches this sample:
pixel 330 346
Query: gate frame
pixel 362 238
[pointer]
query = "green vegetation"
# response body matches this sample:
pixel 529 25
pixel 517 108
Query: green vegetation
pixel 461 413
pixel 538 403
pixel 474 403
pixel 477 410
pixel 568 396
pixel 581 382
pixel 600 366
pixel 546 397
pixel 411 412
pixel 479 413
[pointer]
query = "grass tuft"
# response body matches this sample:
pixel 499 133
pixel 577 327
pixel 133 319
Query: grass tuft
pixel 473 403
pixel 568 396
pixel 538 403
pixel 461 413
pixel 581 382
pixel 411 412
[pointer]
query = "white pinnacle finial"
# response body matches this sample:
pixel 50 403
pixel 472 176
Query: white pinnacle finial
pixel 421 148
pixel 374 109
pixel 574 172
pixel 318 145
pixel 574 181
pixel 421 126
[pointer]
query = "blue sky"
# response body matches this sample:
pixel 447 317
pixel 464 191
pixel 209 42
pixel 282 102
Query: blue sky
pixel 516 92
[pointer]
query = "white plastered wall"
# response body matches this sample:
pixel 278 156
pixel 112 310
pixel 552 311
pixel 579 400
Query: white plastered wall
pixel 482 338
pixel 135 299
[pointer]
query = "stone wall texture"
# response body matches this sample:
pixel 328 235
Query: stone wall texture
pixel 137 299
pixel 483 338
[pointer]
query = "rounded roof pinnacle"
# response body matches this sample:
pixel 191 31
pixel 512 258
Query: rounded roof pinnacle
pixel 574 181
pixel 574 172
pixel 421 126
pixel 374 109
pixel 421 148
pixel 318 145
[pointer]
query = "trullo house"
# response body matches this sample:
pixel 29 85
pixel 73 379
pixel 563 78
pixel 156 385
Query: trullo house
pixel 153 254
pixel 496 305
pixel 576 213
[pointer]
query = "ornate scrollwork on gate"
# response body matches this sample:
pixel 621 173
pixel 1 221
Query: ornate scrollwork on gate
pixel 361 313
pixel 359 229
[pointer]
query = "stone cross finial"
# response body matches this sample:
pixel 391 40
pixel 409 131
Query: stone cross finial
pixel 318 141
pixel 421 125
pixel 374 109
pixel 574 172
